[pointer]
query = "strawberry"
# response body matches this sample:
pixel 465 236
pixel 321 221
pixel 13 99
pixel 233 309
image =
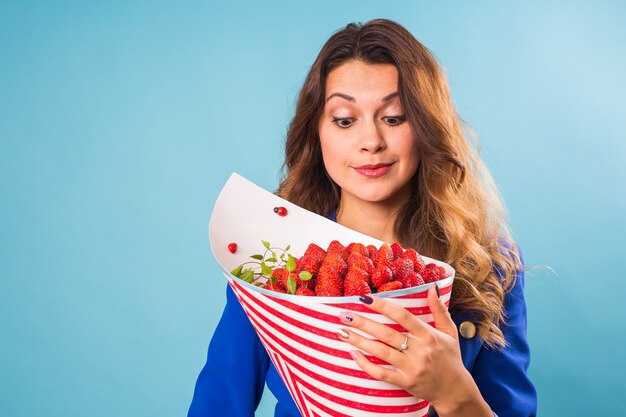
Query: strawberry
pixel 329 283
pixel 358 248
pixel 361 261
pixel 328 292
pixel 384 256
pixel 356 273
pixel 356 288
pixel 336 247
pixel 232 247
pixel 413 279
pixel 397 250
pixel 315 252
pixel 356 281
pixel 349 247
pixel 373 252
pixel 420 280
pixel 416 258
pixel 282 275
pixel 432 273
pixel 305 291
pixel 275 286
pixel 300 283
pixel 335 262
pixel 442 271
pixel 309 263
pixel 390 286
pixel 381 275
pixel 307 284
pixel 401 269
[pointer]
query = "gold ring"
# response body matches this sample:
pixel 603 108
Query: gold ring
pixel 405 344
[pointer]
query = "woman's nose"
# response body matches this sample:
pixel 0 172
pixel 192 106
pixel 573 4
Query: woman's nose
pixel 372 139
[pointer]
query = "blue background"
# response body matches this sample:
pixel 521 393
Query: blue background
pixel 120 121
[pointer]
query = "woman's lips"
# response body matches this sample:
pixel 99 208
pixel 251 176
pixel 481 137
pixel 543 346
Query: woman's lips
pixel 373 171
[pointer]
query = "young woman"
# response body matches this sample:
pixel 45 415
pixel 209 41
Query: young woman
pixel 377 146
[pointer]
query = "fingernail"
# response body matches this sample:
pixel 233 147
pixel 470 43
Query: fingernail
pixel 343 333
pixel 346 317
pixel 437 289
pixel 366 299
pixel 353 354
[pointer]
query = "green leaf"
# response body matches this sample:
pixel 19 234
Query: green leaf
pixel 305 275
pixel 257 257
pixel 237 271
pixel 266 271
pixel 287 248
pixel 291 263
pixel 282 256
pixel 247 275
pixel 266 244
pixel 271 260
pixel 291 284
pixel 273 254
pixel 272 280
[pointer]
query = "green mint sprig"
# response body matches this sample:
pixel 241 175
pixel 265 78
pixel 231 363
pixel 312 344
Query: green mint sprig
pixel 263 266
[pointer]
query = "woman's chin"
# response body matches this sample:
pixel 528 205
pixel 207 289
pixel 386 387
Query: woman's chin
pixel 378 197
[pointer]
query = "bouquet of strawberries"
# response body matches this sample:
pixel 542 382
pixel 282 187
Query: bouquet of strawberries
pixel 294 303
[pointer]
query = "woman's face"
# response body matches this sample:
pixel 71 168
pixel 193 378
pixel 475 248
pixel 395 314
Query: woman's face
pixel 368 147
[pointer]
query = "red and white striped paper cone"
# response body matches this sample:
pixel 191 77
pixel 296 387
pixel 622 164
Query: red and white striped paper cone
pixel 299 332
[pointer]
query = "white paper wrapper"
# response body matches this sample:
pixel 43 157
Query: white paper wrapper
pixel 299 333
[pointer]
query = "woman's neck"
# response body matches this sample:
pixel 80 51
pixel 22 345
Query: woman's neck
pixel 373 219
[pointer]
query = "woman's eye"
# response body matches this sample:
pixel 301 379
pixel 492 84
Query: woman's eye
pixel 394 120
pixel 342 122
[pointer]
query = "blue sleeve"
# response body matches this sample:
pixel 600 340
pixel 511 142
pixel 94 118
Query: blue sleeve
pixel 501 375
pixel 232 381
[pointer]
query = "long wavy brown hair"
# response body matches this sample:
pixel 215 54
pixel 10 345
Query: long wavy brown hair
pixel 455 212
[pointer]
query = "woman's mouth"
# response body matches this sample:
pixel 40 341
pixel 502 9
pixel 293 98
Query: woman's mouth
pixel 373 171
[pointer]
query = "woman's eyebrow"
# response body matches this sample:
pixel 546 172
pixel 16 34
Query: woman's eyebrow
pixel 342 95
pixel 390 97
pixel 385 99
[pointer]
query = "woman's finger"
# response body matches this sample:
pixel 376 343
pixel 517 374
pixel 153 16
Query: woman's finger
pixel 379 331
pixel 375 371
pixel 397 313
pixel 382 351
pixel 443 320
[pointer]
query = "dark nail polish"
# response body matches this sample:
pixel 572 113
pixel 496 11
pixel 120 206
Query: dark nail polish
pixel 366 299
pixel 437 289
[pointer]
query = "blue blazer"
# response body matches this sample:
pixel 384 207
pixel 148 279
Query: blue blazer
pixel 237 368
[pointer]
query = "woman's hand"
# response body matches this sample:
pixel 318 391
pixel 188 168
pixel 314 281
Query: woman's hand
pixel 430 367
